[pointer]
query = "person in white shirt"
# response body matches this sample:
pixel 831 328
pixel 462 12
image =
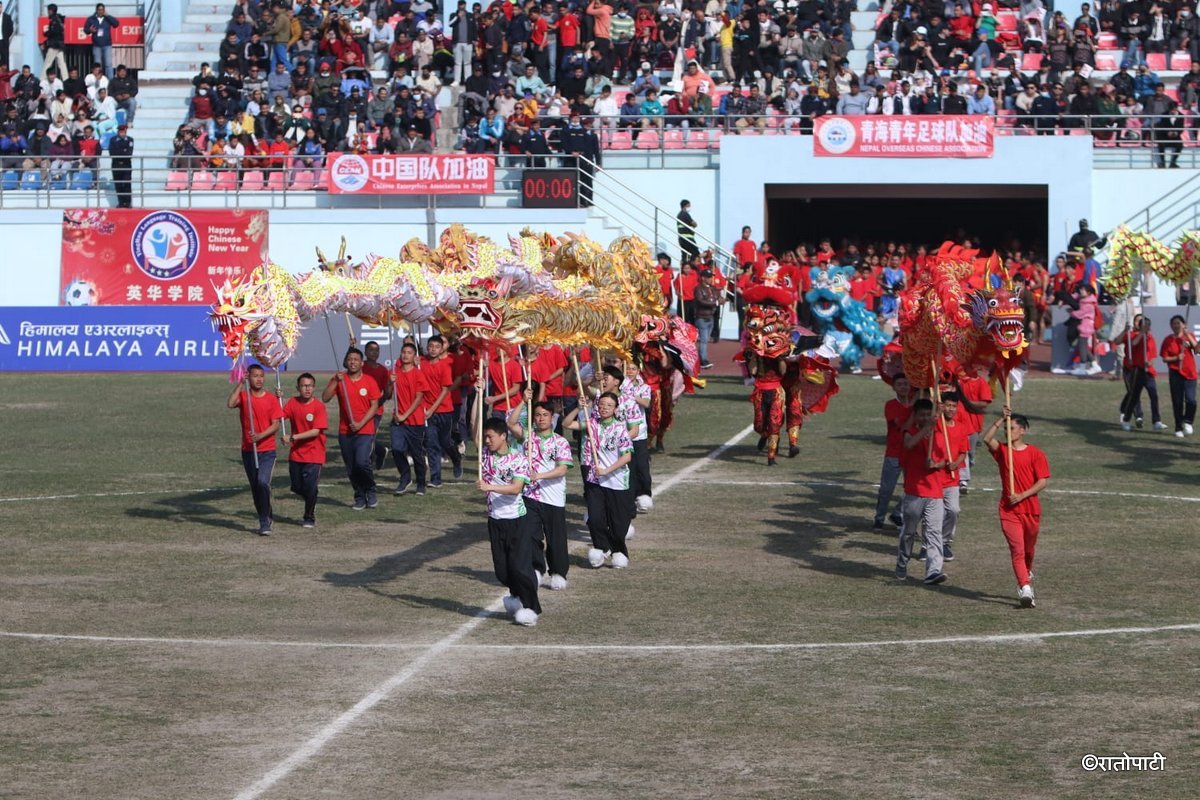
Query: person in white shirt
pixel 95 81
pixel 901 102
pixel 104 108
pixel 380 39
pixel 429 82
pixel 607 108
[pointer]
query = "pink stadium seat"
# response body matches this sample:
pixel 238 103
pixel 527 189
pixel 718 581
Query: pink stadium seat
pixel 202 181
pixel 750 130
pixel 177 181
pixel 622 140
pixel 304 182
pixel 1172 92
pixel 1006 22
pixel 226 181
pixel 277 181
pixel 1031 61
pixel 1156 61
pixel 252 181
pixel 1106 41
pixel 673 139
pixel 648 140
pixel 697 139
pixel 1104 143
pixel 1181 60
pixel 1106 61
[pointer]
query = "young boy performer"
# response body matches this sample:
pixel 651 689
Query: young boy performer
pixel 546 493
pixel 958 433
pixel 607 451
pixel 358 399
pixel 308 421
pixel 896 413
pixel 259 413
pixel 409 433
pixel 923 500
pixel 1020 506
pixel 637 391
pixel 510 528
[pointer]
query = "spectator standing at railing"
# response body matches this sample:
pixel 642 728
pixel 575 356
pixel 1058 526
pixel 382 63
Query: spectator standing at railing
pixel 100 27
pixel 1168 138
pixel 55 32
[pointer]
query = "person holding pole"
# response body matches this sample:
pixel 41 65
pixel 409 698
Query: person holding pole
pixel 923 495
pixel 383 378
pixel 504 474
pixel 950 455
pixel 1024 473
pixel 975 395
pixel 260 414
pixel 546 493
pixel 1139 372
pixel 1179 353
pixel 506 381
pixel 358 398
pixel 439 409
pixel 409 431
pixel 308 420
pixel 896 414
pixel 607 452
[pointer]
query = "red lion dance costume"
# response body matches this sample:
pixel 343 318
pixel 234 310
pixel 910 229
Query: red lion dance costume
pixel 665 349
pixel 790 380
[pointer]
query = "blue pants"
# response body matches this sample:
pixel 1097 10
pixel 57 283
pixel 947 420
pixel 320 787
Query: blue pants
pixel 260 483
pixel 439 440
pixel 409 440
pixel 305 478
pixel 102 55
pixel 1183 399
pixel 705 328
pixel 357 450
pixel 279 55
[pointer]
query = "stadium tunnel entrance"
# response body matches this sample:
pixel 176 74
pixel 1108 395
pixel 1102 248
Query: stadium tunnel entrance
pixel 997 216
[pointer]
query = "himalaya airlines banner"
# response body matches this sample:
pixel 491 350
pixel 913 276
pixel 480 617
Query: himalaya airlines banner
pixel 350 173
pixel 134 257
pixel 904 137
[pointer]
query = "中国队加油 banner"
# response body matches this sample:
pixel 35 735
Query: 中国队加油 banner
pixel 350 173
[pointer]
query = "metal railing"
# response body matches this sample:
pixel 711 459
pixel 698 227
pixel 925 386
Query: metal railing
pixel 152 21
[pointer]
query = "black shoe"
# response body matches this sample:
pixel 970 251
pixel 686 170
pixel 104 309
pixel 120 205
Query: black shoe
pixel 762 443
pixel 921 555
pixel 372 501
pixel 658 448
pixel 947 553
pixel 896 519
pixel 793 451
pixel 420 491
pixel 878 525
pixel 935 579
pixel 434 484
pixel 381 454
pixel 401 488
pixel 707 365
pixel 770 462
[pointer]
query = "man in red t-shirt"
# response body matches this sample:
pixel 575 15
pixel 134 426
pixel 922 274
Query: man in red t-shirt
pixel 506 376
pixel 1020 506
pixel 409 435
pixel 358 400
pixel 744 249
pixel 923 496
pixel 896 413
pixel 259 412
pixel 383 378
pixel 666 279
pixel 975 395
pixel 439 406
pixel 308 420
pixel 1179 354
pixel 688 279
pixel 1139 373
pixel 464 367
pixel 949 453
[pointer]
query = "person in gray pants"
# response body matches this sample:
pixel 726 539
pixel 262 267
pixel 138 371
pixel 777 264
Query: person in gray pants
pixel 896 413
pixel 923 503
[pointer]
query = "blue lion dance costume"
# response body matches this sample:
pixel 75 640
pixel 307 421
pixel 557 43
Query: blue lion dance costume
pixel 848 327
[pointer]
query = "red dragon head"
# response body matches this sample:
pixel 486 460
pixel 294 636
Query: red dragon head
pixel 768 330
pixel 653 329
pixel 999 314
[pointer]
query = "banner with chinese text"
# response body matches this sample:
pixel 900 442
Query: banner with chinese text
pixel 904 137
pixel 350 173
pixel 120 257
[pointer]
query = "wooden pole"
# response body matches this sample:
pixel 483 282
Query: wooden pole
pixel 937 394
pixel 582 397
pixel 480 393
pixel 1008 435
pixel 527 428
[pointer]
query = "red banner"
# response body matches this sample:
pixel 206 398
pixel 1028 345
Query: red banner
pixel 411 174
pixel 133 257
pixel 130 31
pixel 904 137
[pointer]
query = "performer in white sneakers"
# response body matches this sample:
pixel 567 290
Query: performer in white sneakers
pixel 546 493
pixel 637 390
pixel 607 451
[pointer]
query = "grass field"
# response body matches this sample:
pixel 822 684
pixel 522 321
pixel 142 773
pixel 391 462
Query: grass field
pixel 758 646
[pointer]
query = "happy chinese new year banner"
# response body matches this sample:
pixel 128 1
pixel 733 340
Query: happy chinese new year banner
pixel 904 136
pixel 133 257
pixel 411 174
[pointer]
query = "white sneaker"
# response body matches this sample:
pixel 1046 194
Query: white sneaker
pixel 1025 596
pixel 620 561
pixel 512 604
pixel 629 534
pixel 1187 428
pixel 1160 426
pixel 1080 371
pixel 1178 434
pixel 1094 368
pixel 595 557
pixel 1125 426
pixel 527 617
pixel 558 582
pixel 644 503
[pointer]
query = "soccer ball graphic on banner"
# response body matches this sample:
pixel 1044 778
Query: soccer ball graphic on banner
pixel 80 293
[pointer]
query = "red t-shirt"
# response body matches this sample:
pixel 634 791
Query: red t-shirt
pixel 666 282
pixel 266 410
pixel 977 390
pixel 1173 346
pixel 439 375
pixel 464 366
pixel 509 376
pixel 860 289
pixel 1029 466
pixel 360 394
pixel 408 384
pixel 919 479
pixel 568 31
pixel 571 387
pixel 549 361
pixel 687 283
pixel 896 415
pixel 379 372
pixel 745 251
pixel 959 437
pixel 303 417
pixel 1141 354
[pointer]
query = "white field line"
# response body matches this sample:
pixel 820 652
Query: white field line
pixel 442 646
pixel 315 744
pixel 1084 492
pixel 177 490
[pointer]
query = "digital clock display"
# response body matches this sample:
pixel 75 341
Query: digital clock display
pixel 549 188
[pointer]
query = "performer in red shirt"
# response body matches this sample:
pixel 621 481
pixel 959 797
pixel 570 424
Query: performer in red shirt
pixel 506 378
pixel 259 413
pixel 952 433
pixel 666 280
pixel 358 399
pixel 923 496
pixel 1179 354
pixel 383 378
pixel 688 278
pixel 409 437
pixel 1140 352
pixel 975 395
pixel 439 405
pixel 464 368
pixel 744 249
pixel 308 420
pixel 896 414
pixel 1020 506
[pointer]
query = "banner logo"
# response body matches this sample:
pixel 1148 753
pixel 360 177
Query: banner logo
pixel 165 245
pixel 349 173
pixel 838 136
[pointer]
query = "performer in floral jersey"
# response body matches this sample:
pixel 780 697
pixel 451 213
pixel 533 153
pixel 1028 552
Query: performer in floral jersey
pixel 638 392
pixel 546 493
pixel 607 451
pixel 510 527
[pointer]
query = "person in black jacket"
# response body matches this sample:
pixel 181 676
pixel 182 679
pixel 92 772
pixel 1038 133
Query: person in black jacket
pixel 123 88
pixel 120 147
pixel 55 44
pixel 1168 136
pixel 533 143
pixel 685 227
pixel 953 102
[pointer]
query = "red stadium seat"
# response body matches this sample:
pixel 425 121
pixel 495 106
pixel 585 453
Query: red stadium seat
pixel 177 181
pixel 252 181
pixel 697 139
pixel 1107 61
pixel 648 140
pixel 226 181
pixel 1157 62
pixel 202 181
pixel 304 182
pixel 621 140
pixel 673 139
pixel 1104 143
pixel 1031 61
pixel 1181 60
pixel 1107 41
pixel 277 181
pixel 1172 92
pixel 1006 22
